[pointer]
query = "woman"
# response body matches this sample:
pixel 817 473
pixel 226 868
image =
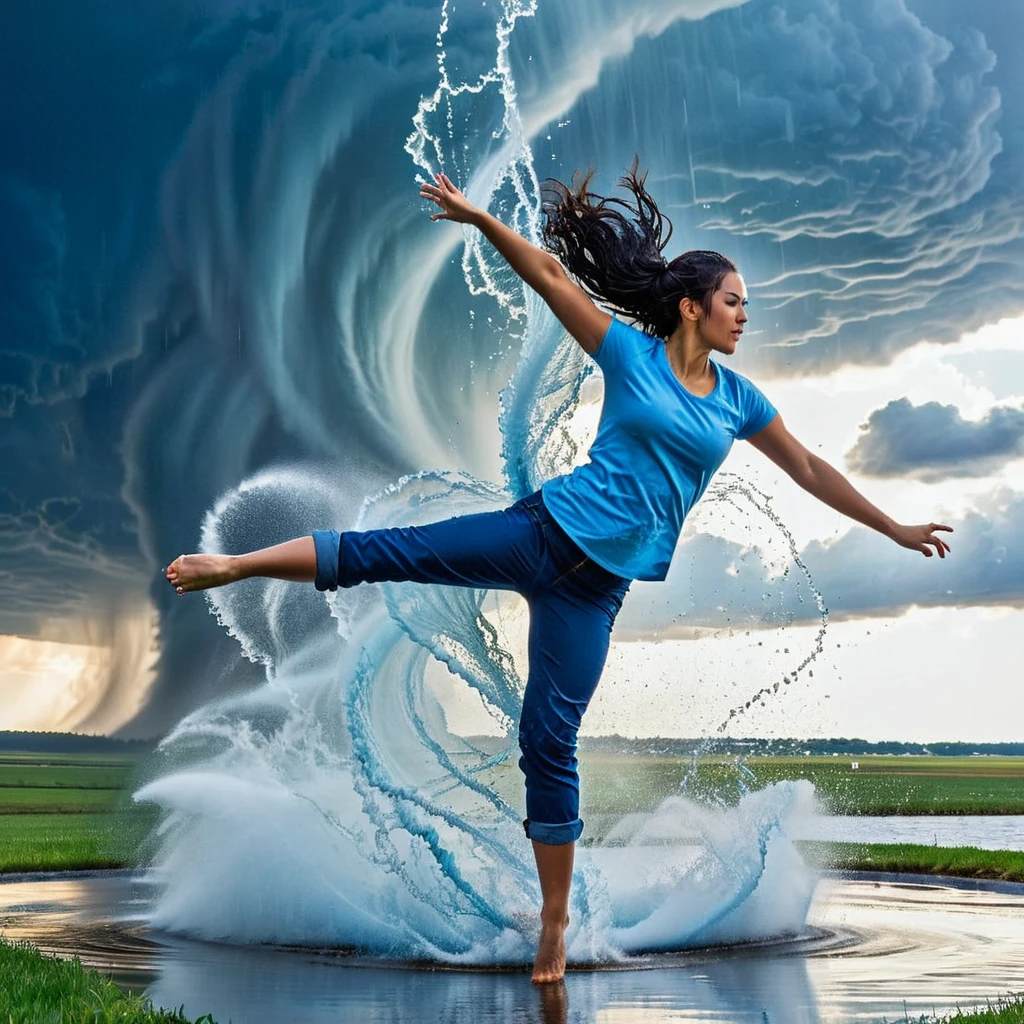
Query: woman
pixel 670 415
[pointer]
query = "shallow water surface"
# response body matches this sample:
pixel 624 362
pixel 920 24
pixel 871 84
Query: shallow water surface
pixel 987 832
pixel 868 948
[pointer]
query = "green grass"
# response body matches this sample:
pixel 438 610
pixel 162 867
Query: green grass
pixel 615 784
pixel 38 989
pixel 68 813
pixel 72 842
pixel 33 800
pixel 909 858
pixel 64 812
pixel 1003 1011
pixel 70 776
pixel 84 760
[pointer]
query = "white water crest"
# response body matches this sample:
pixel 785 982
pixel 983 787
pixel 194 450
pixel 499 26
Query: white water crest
pixel 334 804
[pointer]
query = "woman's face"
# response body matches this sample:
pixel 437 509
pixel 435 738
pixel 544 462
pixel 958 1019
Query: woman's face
pixel 722 327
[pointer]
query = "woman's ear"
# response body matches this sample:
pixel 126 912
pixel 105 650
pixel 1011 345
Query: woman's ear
pixel 691 310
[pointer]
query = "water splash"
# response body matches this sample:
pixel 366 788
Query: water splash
pixel 727 488
pixel 334 805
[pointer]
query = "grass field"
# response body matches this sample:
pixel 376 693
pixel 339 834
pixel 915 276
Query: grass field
pixel 1010 1011
pixel 909 858
pixel 880 785
pixel 66 812
pixel 72 842
pixel 50 774
pixel 35 988
pixel 63 812
pixel 85 760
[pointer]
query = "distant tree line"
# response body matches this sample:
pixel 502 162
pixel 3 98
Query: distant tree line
pixel 74 743
pixel 71 743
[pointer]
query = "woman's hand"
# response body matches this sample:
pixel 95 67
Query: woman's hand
pixel 454 205
pixel 918 538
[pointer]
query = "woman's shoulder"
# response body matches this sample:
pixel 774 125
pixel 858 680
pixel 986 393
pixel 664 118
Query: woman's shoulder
pixel 636 336
pixel 622 341
pixel 733 379
pixel 747 402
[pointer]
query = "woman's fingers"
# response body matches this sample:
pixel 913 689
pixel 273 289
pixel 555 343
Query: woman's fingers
pixel 925 538
pixel 940 545
pixel 443 215
pixel 437 194
pixel 453 203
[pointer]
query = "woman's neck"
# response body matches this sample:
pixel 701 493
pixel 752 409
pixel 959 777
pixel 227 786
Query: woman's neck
pixel 690 359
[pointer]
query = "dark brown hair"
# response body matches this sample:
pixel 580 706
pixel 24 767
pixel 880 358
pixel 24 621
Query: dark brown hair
pixel 617 256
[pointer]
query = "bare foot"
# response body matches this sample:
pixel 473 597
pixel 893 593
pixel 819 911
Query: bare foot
pixel 199 572
pixel 550 963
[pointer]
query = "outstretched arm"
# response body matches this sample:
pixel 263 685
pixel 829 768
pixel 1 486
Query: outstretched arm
pixel 540 270
pixel 827 484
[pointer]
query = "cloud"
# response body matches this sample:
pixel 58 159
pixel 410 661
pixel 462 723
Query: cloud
pixel 718 584
pixel 214 263
pixel 933 441
pixel 860 165
pixel 863 574
pixel 38 337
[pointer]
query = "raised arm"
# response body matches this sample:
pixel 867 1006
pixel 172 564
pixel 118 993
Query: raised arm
pixel 540 270
pixel 827 484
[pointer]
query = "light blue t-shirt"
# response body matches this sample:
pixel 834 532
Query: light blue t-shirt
pixel 656 449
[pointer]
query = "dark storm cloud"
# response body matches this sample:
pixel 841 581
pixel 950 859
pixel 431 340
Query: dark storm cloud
pixel 212 262
pixel 68 544
pixel 31 301
pixel 933 441
pixel 715 583
pixel 861 164
pixel 177 266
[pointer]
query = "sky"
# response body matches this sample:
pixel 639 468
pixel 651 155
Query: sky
pixel 214 266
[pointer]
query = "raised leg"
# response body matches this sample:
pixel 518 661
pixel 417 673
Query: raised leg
pixel 489 550
pixel 294 560
pixel 554 868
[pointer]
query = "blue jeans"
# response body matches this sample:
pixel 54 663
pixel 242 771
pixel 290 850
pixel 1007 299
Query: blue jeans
pixel 573 602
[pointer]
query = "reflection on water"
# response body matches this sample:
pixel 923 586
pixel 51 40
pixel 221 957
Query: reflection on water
pixel 870 948
pixel 987 832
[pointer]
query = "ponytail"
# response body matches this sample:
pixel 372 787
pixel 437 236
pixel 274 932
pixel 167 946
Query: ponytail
pixel 617 257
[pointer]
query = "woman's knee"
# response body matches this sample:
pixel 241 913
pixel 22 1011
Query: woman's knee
pixel 549 749
pixel 548 759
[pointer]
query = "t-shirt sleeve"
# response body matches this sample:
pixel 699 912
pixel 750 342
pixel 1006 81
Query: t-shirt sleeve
pixel 755 410
pixel 618 344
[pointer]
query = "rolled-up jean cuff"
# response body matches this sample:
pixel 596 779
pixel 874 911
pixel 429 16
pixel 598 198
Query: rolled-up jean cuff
pixel 327 543
pixel 554 835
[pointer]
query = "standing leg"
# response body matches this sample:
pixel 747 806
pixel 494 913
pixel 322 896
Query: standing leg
pixel 554 868
pixel 570 628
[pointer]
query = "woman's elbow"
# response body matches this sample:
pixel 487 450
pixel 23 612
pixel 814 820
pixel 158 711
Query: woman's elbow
pixel 804 470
